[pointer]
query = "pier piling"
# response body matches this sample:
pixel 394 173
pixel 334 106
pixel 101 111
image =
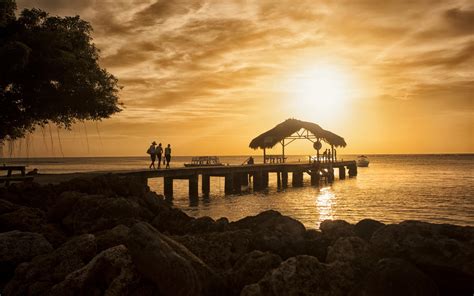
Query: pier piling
pixel 297 180
pixel 206 185
pixel 168 187
pixel 193 186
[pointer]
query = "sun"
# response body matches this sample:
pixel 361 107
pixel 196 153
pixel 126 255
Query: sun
pixel 318 90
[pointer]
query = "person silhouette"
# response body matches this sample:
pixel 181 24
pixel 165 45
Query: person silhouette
pixel 168 155
pixel 159 153
pixel 152 151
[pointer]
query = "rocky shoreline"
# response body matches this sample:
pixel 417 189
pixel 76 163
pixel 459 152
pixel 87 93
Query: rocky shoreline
pixel 112 236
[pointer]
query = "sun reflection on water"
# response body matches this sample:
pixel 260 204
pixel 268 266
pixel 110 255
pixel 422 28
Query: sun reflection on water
pixel 324 203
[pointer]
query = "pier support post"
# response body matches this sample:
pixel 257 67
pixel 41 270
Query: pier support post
pixel 193 186
pixel 229 184
pixel 284 179
pixel 278 179
pixel 257 180
pixel 330 174
pixel 315 177
pixel 237 183
pixel 297 179
pixel 352 170
pixel 244 179
pixel 168 187
pixel 264 180
pixel 206 185
pixel 342 173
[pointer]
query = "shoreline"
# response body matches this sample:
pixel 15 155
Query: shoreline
pixel 107 234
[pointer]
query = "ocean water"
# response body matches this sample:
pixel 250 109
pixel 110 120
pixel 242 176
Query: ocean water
pixel 432 188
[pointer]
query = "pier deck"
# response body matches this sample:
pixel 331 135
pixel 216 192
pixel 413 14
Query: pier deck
pixel 255 176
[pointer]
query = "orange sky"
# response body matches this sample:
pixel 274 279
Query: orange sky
pixel 208 76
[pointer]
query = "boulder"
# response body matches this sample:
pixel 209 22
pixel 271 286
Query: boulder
pixel 219 250
pixel 251 267
pixel 334 229
pixel 273 232
pixel 23 219
pixel 154 202
pixel 111 237
pixel 393 277
pixel 366 227
pixel 111 272
pixel 63 205
pixel 168 264
pixel 97 213
pixel 304 275
pixel 172 221
pixel 17 247
pixel 44 271
pixel 7 207
pixel 444 252
pixel 315 244
pixel 348 249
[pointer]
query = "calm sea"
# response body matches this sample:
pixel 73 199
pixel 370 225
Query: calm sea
pixel 433 188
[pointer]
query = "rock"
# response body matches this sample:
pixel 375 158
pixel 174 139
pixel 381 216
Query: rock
pixel 251 267
pixel 304 275
pixel 7 207
pixel 155 202
pixel 334 229
pixel 172 267
pixel 111 272
pixel 315 244
pixel 17 247
pixel 23 219
pixel 274 232
pixel 348 249
pixel 443 252
pixel 172 221
pixel 395 277
pixel 63 205
pixel 219 250
pixel 366 227
pixel 111 237
pixel 96 213
pixel 44 271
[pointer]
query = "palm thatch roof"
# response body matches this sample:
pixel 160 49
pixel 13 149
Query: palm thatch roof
pixel 290 126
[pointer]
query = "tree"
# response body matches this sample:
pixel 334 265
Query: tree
pixel 49 72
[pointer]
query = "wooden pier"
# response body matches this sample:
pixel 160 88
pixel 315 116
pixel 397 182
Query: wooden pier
pixel 254 176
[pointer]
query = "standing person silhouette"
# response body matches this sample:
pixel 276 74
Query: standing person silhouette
pixel 168 155
pixel 152 151
pixel 159 153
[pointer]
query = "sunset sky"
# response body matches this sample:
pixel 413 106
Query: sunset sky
pixel 207 76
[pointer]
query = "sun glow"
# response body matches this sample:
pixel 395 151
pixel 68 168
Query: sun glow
pixel 319 90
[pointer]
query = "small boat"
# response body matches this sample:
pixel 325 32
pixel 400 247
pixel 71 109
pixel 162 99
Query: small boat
pixel 362 161
pixel 202 161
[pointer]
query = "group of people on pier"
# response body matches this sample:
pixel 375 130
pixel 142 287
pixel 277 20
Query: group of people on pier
pixel 157 152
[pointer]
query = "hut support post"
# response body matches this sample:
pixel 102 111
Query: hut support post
pixel 206 185
pixel 264 155
pixel 168 187
pixel 317 155
pixel 332 153
pixel 193 186
pixel 283 149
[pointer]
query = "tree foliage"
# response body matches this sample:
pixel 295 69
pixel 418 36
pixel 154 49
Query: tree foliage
pixel 49 72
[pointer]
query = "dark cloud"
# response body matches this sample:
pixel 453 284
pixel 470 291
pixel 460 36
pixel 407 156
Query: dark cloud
pixel 460 20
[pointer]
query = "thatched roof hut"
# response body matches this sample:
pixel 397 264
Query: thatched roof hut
pixel 290 126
